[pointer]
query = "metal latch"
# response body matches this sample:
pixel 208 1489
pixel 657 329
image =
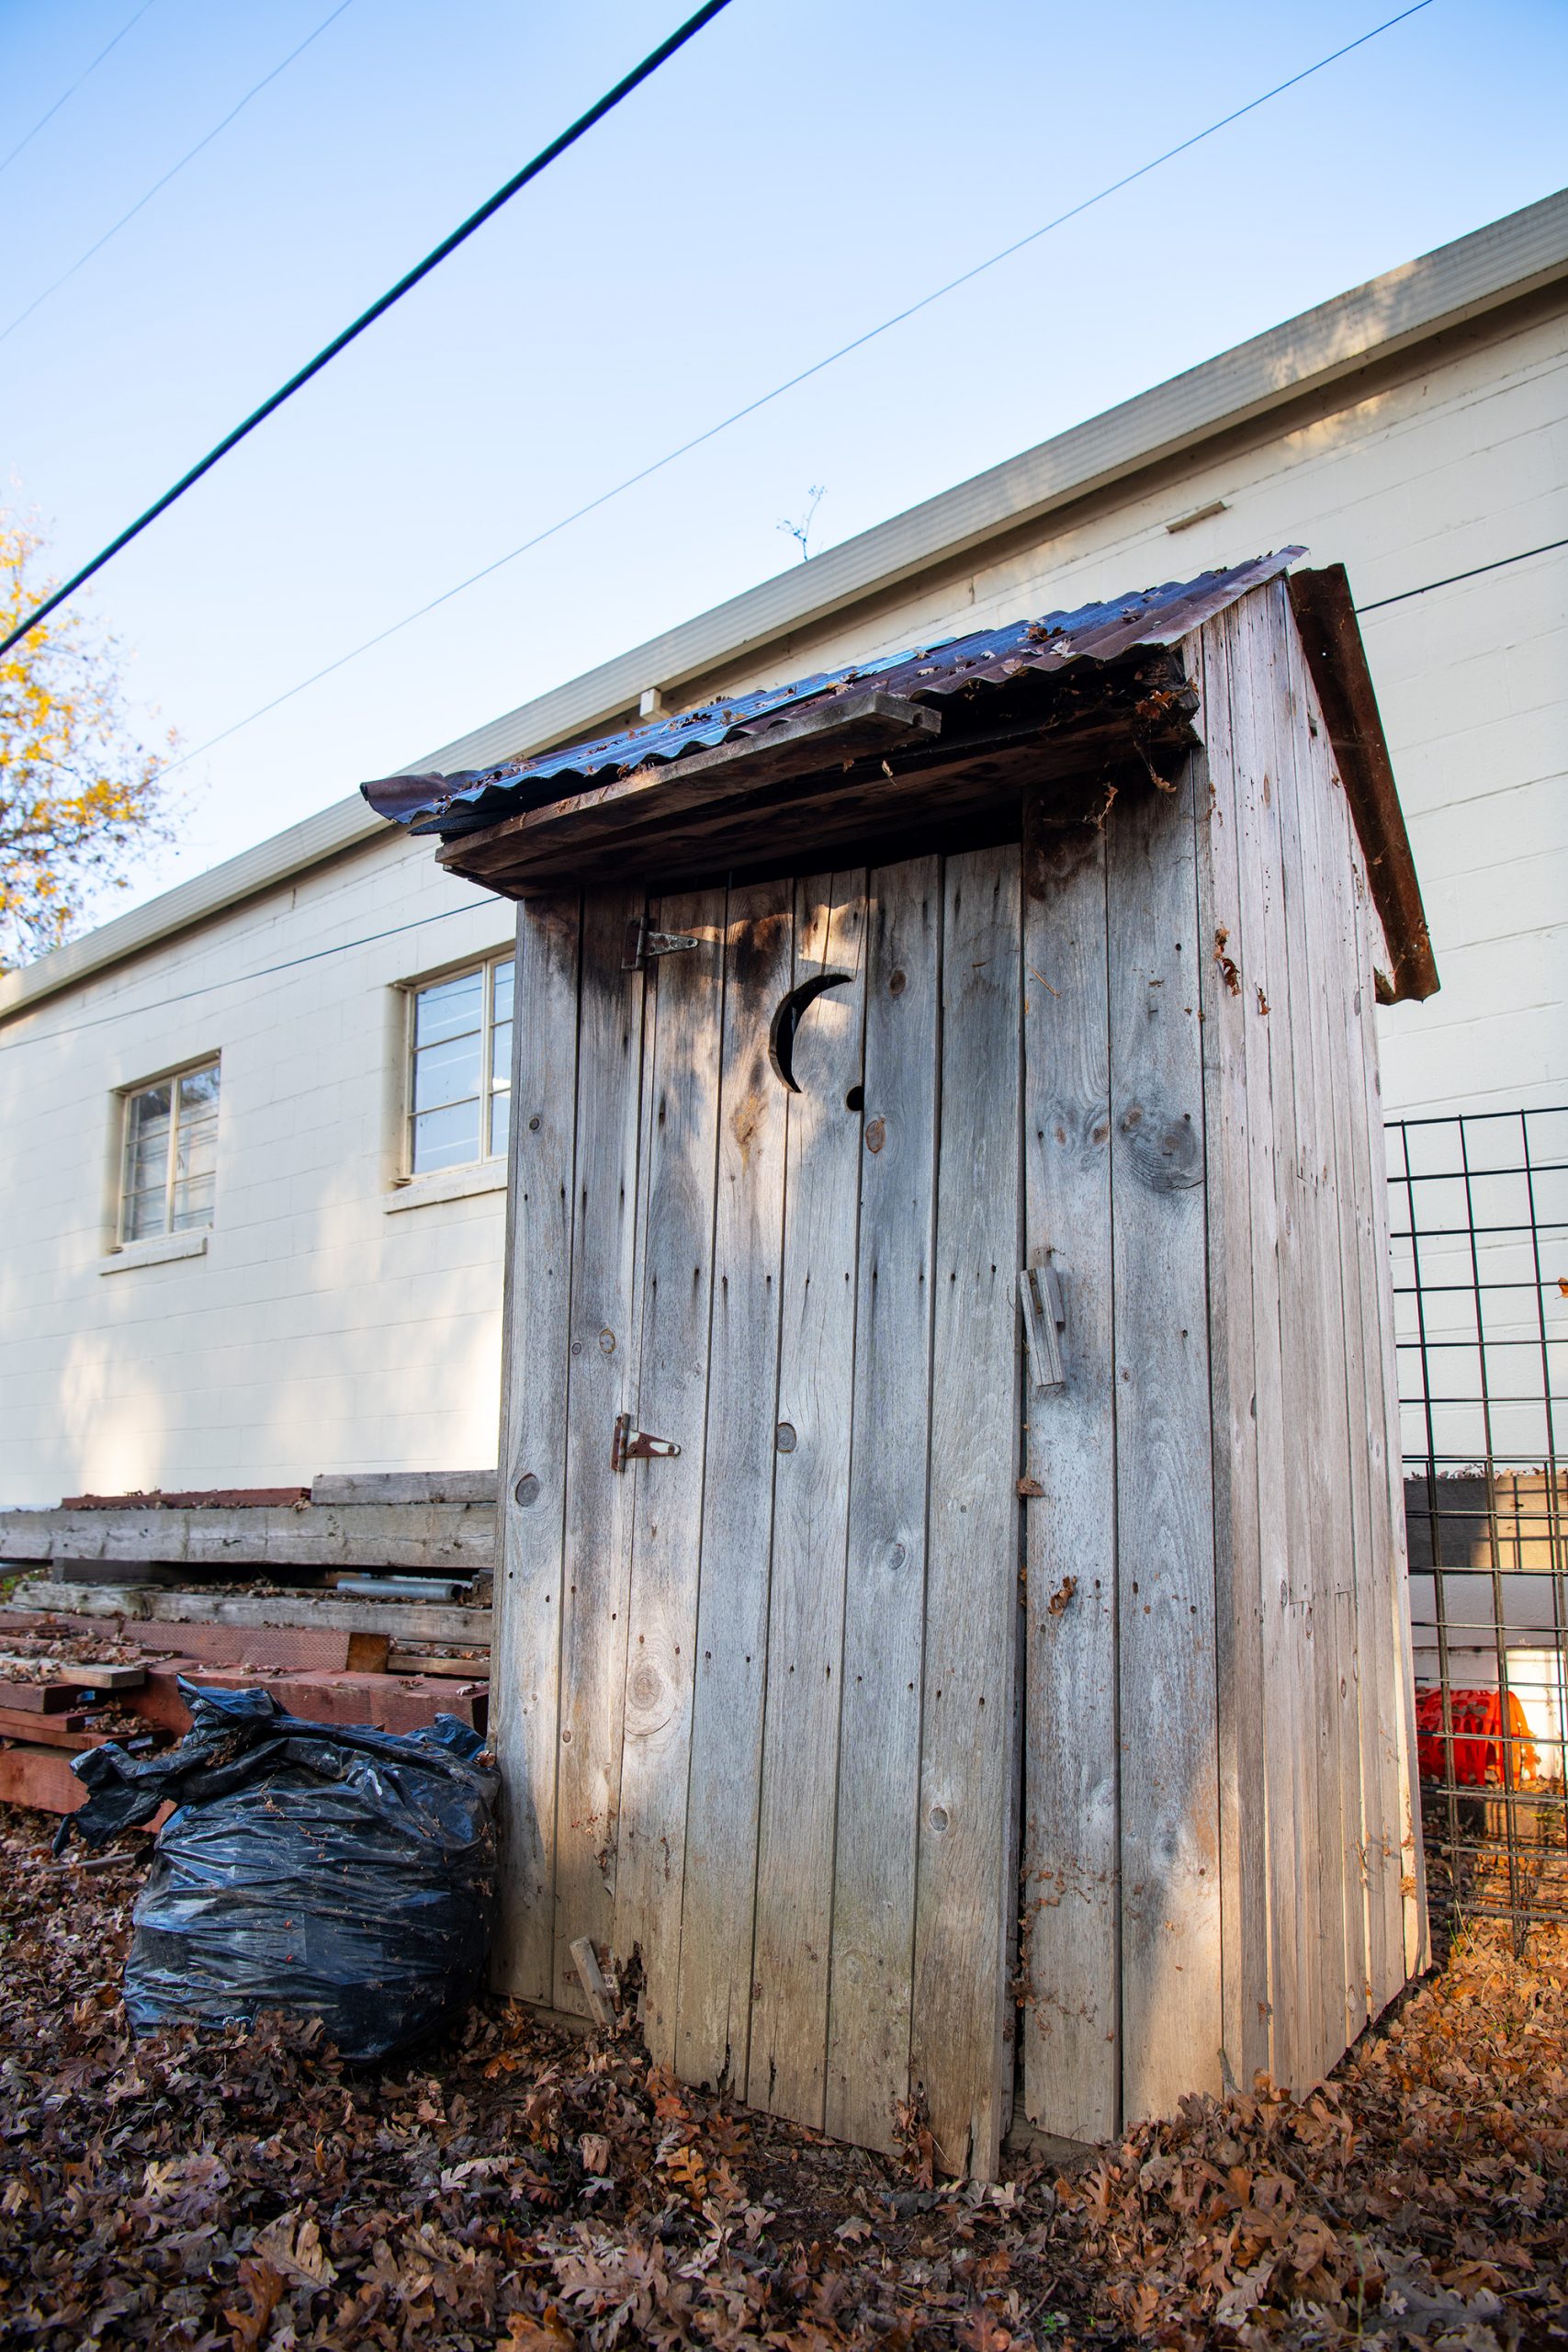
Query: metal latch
pixel 643 945
pixel 1040 1295
pixel 635 1445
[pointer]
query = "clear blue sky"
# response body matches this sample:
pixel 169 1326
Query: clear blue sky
pixel 800 172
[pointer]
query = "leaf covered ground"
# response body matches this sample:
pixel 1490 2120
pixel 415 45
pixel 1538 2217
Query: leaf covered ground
pixel 517 2187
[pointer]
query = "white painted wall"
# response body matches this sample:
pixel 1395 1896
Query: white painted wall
pixel 327 1330
pixel 329 1325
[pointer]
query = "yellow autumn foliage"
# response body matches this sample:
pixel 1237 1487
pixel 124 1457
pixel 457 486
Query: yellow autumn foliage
pixel 80 797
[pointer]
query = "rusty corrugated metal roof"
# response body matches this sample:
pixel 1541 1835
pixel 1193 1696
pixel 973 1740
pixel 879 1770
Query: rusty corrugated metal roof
pixel 454 805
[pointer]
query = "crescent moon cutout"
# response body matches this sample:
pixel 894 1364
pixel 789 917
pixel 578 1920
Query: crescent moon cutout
pixel 787 1020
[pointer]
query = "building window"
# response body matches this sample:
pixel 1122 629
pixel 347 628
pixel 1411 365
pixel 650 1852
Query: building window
pixel 460 1086
pixel 169 1175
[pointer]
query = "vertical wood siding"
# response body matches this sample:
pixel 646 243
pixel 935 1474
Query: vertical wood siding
pixel 1261 1814
pixel 1071 1879
pixel 758 1702
pixel 761 1705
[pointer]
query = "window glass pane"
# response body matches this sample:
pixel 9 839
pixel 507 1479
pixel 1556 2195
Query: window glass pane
pixel 446 1073
pixel 500 1054
pixel 198 1092
pixel 146 1162
pixel 447 1138
pixel 193 1202
pixel 500 1121
pixel 505 974
pixel 144 1215
pixel 450 1009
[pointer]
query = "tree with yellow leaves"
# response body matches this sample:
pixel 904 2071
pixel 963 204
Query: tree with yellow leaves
pixel 80 796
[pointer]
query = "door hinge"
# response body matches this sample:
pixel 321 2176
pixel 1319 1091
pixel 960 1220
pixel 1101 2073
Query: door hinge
pixel 643 943
pixel 635 1445
pixel 1044 1317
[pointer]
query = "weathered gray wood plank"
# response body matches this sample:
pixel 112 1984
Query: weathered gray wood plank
pixel 879 1757
pixel 1292 1755
pixel 1171 2022
pixel 787 2063
pixel 1324 1453
pixel 1228 1114
pixel 966 1895
pixel 450 1538
pixel 714 2020
pixel 1070 1864
pixel 1413 1866
pixel 1334 977
pixel 413 1621
pixel 603 1383
pixel 1376 1686
pixel 670 1401
pixel 525 1665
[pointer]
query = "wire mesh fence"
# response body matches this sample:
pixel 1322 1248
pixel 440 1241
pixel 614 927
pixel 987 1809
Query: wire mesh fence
pixel 1478 1232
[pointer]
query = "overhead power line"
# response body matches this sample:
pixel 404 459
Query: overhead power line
pixel 765 400
pixel 1453 578
pixel 405 284
pixel 173 173
pixel 7 162
pixel 234 981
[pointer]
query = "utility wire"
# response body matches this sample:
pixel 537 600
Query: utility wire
pixel 1473 574
pixel 174 169
pixel 379 309
pixel 242 978
pixel 765 400
pixel 237 979
pixel 7 162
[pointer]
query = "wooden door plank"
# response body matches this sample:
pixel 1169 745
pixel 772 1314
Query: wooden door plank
pixel 602 1384
pixel 1227 1116
pixel 967 1902
pixel 1172 2024
pixel 525 1654
pixel 670 1401
pixel 879 1759
pixel 787 2066
pixel 713 2023
pixel 1070 1864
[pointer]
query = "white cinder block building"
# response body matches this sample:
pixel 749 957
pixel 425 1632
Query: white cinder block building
pixel 251 1134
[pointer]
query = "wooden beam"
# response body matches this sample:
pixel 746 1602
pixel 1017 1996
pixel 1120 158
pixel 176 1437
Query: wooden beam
pixel 1331 640
pixel 412 1621
pixel 826 736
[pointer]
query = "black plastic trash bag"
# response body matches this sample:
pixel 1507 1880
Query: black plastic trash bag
pixel 345 1874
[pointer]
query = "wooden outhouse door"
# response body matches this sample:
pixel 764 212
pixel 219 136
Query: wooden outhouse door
pixel 756 1699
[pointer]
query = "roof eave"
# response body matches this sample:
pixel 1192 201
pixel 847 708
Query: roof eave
pixel 1331 640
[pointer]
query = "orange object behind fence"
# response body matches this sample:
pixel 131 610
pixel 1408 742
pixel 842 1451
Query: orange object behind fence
pixel 1477 1720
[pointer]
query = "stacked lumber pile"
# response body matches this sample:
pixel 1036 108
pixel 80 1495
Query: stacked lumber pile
pixel 358 1600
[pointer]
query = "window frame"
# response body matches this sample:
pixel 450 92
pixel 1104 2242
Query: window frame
pixel 489 964
pixel 129 1096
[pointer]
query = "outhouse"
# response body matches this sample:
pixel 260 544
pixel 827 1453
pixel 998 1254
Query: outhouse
pixel 952 1631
